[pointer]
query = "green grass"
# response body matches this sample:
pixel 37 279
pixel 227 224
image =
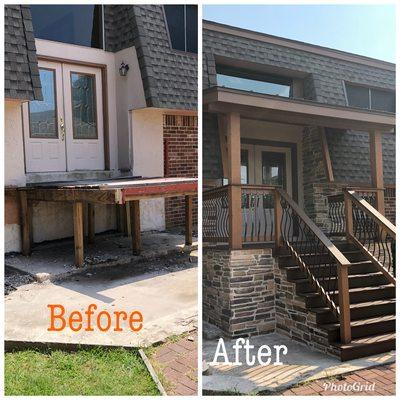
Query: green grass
pixel 84 372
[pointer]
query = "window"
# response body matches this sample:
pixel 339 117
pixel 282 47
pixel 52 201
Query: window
pixel 182 27
pixel 369 98
pixel 244 167
pixel 75 24
pixel 254 81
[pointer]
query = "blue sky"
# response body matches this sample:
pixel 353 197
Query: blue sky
pixel 367 30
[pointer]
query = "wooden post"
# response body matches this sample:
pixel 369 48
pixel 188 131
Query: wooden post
pixel 348 213
pixel 135 225
pixel 223 144
pixel 188 220
pixel 91 223
pixel 344 303
pixel 78 233
pixel 277 223
pixel 25 210
pixel 375 144
pixel 235 189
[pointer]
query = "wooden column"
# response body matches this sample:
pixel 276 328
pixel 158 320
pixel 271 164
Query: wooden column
pixel 78 233
pixel 135 226
pixel 223 144
pixel 188 220
pixel 26 226
pixel 348 213
pixel 235 190
pixel 375 144
pixel 91 223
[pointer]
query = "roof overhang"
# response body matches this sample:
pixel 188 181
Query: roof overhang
pixel 296 112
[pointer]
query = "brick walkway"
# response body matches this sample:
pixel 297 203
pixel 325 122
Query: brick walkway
pixel 177 362
pixel 384 377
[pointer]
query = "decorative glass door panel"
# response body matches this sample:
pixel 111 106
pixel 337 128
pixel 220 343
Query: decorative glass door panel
pixel 274 169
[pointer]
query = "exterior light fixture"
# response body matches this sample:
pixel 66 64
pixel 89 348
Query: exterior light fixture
pixel 123 69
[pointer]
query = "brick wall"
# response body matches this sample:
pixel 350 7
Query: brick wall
pixel 180 159
pixel 390 204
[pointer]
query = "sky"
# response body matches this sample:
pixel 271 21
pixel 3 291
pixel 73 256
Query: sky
pixel 368 30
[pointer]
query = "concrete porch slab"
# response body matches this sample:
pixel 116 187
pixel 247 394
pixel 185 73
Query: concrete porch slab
pixel 55 260
pixel 299 365
pixel 164 292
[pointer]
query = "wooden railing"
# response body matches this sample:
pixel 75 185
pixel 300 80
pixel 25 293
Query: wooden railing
pixel 373 233
pixel 336 213
pixel 325 265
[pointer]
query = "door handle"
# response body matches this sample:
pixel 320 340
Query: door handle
pixel 62 128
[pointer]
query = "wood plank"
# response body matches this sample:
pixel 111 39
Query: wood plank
pixel 326 155
pixel 26 228
pixel 78 233
pixel 188 220
pixel 72 195
pixel 135 226
pixel 91 223
pixel 235 190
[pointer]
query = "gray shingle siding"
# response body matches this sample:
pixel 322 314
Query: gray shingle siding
pixel 169 77
pixel 323 82
pixel 21 73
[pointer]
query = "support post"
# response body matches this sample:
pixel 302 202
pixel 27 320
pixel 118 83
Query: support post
pixel 235 189
pixel 348 213
pixel 277 223
pixel 188 220
pixel 135 226
pixel 25 210
pixel 344 303
pixel 91 223
pixel 78 233
pixel 375 143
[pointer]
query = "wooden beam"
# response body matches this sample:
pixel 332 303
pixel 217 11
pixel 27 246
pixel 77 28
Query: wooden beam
pixel 26 226
pixel 188 220
pixel 344 303
pixel 235 190
pixel 222 127
pixel 326 155
pixel 375 142
pixel 135 226
pixel 72 195
pixel 78 233
pixel 91 223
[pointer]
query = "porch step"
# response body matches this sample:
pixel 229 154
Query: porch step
pixel 363 327
pixel 367 346
pixel 369 309
pixel 361 267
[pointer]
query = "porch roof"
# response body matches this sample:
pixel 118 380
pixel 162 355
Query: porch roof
pixel 295 111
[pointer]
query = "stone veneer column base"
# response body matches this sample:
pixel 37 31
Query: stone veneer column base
pixel 246 293
pixel 239 291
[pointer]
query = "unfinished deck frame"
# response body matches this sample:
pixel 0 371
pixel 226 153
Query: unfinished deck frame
pixel 122 192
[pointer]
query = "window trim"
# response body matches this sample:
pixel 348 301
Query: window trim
pixel 182 52
pixel 370 88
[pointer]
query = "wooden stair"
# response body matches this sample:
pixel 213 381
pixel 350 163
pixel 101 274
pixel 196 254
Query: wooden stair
pixel 372 302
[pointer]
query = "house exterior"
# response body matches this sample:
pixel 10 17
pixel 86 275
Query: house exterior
pixel 298 154
pixel 95 92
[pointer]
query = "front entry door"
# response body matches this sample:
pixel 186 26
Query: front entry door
pixel 64 131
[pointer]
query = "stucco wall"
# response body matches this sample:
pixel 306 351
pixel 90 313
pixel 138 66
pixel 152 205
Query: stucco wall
pixel 148 160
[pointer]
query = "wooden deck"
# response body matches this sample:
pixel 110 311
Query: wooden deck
pixel 124 192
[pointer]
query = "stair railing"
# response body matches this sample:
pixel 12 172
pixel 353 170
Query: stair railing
pixel 325 265
pixel 371 232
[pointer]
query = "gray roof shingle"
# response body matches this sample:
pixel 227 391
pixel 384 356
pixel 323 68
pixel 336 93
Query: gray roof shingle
pixel 21 73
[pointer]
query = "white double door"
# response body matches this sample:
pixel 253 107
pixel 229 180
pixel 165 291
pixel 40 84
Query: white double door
pixel 64 131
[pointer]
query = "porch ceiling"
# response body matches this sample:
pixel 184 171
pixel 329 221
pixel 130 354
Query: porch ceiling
pixel 297 112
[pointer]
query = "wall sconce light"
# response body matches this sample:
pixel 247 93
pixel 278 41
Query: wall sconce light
pixel 123 69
